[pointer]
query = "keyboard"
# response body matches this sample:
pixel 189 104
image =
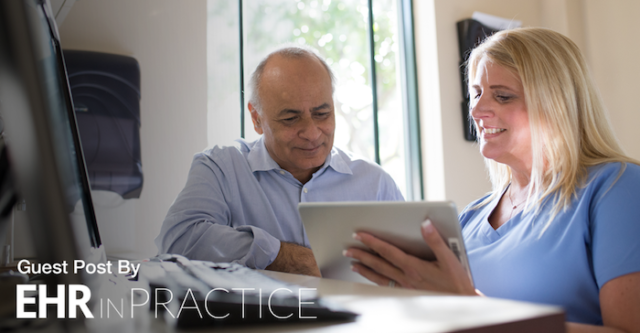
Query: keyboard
pixel 194 293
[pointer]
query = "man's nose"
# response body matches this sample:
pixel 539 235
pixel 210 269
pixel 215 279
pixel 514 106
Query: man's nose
pixel 310 130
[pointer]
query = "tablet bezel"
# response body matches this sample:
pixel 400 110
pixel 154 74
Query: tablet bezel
pixel 329 227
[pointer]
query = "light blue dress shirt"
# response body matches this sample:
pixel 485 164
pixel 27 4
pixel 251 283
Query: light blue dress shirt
pixel 238 204
pixel 594 240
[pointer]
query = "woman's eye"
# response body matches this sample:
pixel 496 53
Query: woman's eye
pixel 476 96
pixel 503 98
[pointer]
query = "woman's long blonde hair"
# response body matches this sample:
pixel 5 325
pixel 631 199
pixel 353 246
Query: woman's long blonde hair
pixel 570 130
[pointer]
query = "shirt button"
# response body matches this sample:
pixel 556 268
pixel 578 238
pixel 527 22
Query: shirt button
pixel 282 172
pixel 305 190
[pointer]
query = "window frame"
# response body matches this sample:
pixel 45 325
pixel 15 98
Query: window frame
pixel 408 87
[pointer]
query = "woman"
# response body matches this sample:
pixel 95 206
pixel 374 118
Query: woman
pixel 561 224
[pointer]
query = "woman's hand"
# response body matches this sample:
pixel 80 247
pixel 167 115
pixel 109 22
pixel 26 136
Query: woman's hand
pixel 446 274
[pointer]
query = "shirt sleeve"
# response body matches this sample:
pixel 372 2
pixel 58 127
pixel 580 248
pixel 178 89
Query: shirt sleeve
pixel 198 224
pixel 615 224
pixel 389 190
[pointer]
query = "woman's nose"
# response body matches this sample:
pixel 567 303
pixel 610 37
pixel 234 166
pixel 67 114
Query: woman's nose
pixel 480 107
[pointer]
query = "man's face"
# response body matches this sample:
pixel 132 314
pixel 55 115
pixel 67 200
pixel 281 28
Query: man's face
pixel 296 116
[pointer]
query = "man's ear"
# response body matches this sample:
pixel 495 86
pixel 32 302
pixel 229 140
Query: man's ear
pixel 255 117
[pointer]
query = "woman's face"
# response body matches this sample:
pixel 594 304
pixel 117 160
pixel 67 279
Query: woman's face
pixel 500 113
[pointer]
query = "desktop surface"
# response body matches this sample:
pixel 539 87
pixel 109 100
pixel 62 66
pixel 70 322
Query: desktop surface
pixel 380 309
pixel 384 309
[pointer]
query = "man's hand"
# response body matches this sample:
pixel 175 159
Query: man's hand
pixel 296 259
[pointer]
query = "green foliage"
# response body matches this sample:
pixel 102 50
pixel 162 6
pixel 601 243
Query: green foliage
pixel 337 29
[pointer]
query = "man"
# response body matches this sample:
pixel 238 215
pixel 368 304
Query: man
pixel 240 204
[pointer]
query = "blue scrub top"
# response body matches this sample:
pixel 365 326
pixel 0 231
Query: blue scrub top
pixel 595 239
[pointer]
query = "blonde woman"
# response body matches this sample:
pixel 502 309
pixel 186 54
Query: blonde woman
pixel 562 223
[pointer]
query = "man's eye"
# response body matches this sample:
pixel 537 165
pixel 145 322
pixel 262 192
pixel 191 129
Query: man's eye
pixel 322 114
pixel 477 95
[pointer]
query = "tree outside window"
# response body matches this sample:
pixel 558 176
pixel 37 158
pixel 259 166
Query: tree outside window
pixel 338 30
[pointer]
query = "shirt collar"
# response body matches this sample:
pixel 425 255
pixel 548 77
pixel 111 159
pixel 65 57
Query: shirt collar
pixel 259 159
pixel 258 156
pixel 337 162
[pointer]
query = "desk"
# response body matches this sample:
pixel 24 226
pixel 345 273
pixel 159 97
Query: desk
pixel 381 309
pixel 386 309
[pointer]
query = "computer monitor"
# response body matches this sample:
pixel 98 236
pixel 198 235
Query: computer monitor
pixel 44 147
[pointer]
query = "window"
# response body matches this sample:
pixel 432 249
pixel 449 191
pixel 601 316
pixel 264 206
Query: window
pixel 340 31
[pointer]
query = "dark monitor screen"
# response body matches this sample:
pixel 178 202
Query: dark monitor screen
pixel 41 135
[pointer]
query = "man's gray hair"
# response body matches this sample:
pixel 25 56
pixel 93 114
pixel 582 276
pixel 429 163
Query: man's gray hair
pixel 290 52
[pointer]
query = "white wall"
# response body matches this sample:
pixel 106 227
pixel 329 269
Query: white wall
pixel 453 168
pixel 612 47
pixel 168 38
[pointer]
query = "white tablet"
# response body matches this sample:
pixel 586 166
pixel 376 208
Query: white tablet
pixel 330 226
